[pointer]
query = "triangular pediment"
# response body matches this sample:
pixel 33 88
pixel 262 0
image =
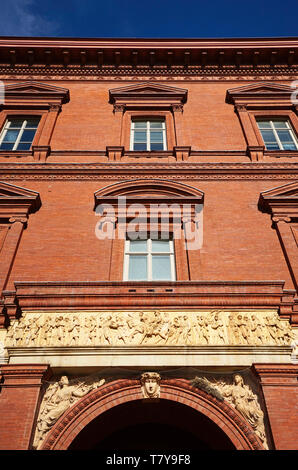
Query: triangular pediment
pixel 263 87
pixel 150 90
pixel 10 194
pixel 35 89
pixel 283 198
pixel 259 91
pixel 282 192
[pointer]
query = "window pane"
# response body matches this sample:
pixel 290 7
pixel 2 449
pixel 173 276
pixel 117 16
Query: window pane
pixel 268 136
pixel 32 122
pixel 156 146
pixel 160 246
pixel 24 146
pixel 140 124
pixel 156 136
pixel 284 136
pixel 280 124
pixel 137 268
pixel 16 123
pixel 140 147
pixel 161 268
pixel 11 136
pixel 289 146
pixel 140 136
pixel 137 246
pixel 264 124
pixel 156 124
pixel 28 136
pixel 7 146
pixel 273 146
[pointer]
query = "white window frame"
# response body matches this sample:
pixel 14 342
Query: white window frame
pixel 272 127
pixel 149 253
pixel 6 127
pixel 148 142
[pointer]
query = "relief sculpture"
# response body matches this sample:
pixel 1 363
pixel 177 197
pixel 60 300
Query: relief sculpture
pixel 144 328
pixel 58 397
pixel 240 396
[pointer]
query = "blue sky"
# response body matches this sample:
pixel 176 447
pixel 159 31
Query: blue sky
pixel 154 19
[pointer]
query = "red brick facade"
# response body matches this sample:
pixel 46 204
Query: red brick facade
pixel 210 95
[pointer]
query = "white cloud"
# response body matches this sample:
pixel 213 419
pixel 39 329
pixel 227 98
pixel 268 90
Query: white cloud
pixel 21 18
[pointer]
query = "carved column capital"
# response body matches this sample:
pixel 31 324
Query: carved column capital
pixel 119 108
pixel 22 220
pixel 177 108
pixel 53 107
pixel 281 218
pixel 240 108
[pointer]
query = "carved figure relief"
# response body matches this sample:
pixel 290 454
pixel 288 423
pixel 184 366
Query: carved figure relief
pixel 150 384
pixel 142 328
pixel 241 397
pixel 58 397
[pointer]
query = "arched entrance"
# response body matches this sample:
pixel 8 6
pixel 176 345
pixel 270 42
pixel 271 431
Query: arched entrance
pixel 184 416
pixel 141 425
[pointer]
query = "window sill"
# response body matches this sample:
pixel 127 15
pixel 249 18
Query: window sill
pixel 281 153
pixel 15 153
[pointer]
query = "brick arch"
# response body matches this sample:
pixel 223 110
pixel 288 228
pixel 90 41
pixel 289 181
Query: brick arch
pixel 122 391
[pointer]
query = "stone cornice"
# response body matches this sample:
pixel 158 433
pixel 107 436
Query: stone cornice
pixel 151 53
pixel 237 294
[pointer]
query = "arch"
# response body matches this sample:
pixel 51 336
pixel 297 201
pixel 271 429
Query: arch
pixel 122 391
pixel 161 188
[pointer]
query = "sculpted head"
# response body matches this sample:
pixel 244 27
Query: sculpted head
pixel 238 379
pixel 150 384
pixel 63 380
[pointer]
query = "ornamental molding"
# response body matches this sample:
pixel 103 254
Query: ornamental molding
pixel 188 74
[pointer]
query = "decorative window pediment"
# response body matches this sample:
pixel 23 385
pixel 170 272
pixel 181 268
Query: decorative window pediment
pixel 16 201
pixel 34 94
pixel 146 95
pixel 261 94
pixel 281 201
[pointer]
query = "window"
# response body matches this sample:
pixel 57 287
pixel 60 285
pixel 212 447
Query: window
pixel 277 134
pixel 18 133
pixel 149 260
pixel 148 135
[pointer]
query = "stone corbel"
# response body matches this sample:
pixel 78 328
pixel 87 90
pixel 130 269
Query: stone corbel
pixel 182 153
pixel 10 305
pixel 41 152
pixel 114 152
pixel 255 152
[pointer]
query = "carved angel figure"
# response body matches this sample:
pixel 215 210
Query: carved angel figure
pixel 244 400
pixel 57 399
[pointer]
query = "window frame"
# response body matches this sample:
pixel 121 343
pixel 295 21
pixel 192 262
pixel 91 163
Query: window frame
pixel 21 130
pixel 148 121
pixel 149 254
pixel 290 128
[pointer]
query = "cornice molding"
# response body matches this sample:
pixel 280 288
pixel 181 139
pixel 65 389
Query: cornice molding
pixel 148 52
pixel 177 171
